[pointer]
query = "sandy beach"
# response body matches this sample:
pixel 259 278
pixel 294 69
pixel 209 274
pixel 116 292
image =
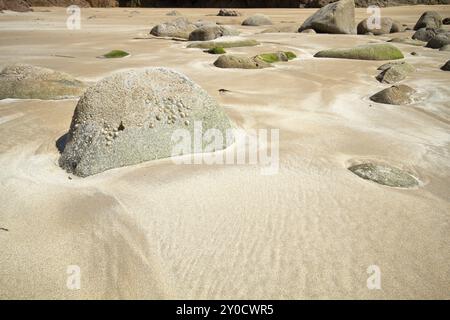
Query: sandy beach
pixel 157 230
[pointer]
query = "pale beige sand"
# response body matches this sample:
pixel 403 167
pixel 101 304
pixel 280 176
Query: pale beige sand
pixel 159 230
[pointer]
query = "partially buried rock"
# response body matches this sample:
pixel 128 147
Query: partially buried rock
pixel 445 48
pixel 440 40
pixel 237 62
pixel 179 28
pixel 311 31
pixel 129 118
pixel 228 13
pixel 211 32
pixel 446 66
pixel 446 21
pixel 392 73
pixel 429 19
pixel 283 28
pixel 410 42
pixel 426 34
pixel 336 17
pixel 173 13
pixel 397 95
pixel 226 42
pixel 385 175
pixel 257 20
pixel 365 52
pixel 23 81
pixel 216 50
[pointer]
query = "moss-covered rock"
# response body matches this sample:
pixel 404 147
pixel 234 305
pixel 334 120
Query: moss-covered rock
pixel 22 81
pixel 366 52
pixel 385 175
pixel 277 56
pixel 238 62
pixel 397 95
pixel 115 54
pixel 234 43
pixel 216 50
pixel 395 72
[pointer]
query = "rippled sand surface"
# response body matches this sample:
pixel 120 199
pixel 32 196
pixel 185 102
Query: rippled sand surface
pixel 159 230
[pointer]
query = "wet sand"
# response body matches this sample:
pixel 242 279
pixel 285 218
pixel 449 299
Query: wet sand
pixel 159 230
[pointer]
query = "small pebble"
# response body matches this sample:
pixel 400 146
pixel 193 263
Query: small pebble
pixel 186 122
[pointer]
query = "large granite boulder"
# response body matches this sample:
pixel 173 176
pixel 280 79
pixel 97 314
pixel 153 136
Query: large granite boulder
pixel 364 52
pixel 129 118
pixel 429 19
pixel 211 32
pixel 178 28
pixel 336 17
pixel 23 81
pixel 257 20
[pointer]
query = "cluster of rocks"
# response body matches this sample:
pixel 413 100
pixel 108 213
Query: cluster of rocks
pixel 428 29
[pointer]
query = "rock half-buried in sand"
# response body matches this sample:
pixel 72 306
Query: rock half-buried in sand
pixel 446 66
pixel 178 28
pixel 257 20
pixel 129 118
pixel 410 42
pixel 394 72
pixel 385 175
pixel 336 17
pixel 385 26
pixel 365 52
pixel 237 62
pixel 398 95
pixel 22 81
pixel 211 32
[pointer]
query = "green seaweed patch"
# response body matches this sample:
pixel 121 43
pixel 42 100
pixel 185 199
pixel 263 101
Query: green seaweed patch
pixel 277 56
pixel 224 44
pixel 115 54
pixel 366 52
pixel 216 50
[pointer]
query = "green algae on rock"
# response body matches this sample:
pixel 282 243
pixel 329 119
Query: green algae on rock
pixel 115 54
pixel 238 62
pixel 277 56
pixel 216 50
pixel 364 52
